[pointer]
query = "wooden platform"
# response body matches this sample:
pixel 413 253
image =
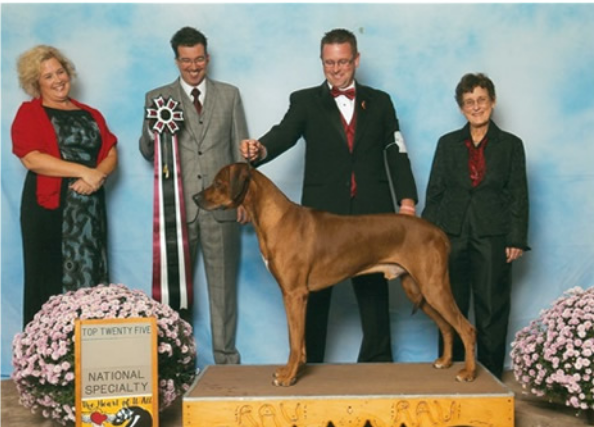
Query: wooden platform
pixel 354 395
pixel 530 411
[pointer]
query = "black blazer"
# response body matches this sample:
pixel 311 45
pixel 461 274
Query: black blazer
pixel 313 115
pixel 500 201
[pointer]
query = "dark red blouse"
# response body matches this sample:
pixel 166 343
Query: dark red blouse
pixel 477 166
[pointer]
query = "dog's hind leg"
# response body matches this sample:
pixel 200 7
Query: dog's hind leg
pixel 295 304
pixel 414 294
pixel 440 298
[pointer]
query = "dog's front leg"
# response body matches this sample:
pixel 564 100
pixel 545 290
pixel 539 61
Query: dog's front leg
pixel 295 305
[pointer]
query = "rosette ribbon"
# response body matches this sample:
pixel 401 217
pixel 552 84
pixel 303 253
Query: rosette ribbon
pixel 172 273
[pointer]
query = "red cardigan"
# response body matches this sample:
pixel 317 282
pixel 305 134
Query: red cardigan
pixel 32 130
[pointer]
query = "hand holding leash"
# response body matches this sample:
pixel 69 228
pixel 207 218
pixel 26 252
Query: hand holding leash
pixel 252 149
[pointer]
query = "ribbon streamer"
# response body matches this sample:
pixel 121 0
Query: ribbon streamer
pixel 172 273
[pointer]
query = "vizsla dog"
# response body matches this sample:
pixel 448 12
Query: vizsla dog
pixel 308 250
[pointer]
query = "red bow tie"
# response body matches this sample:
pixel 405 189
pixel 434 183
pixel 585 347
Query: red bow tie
pixel 349 93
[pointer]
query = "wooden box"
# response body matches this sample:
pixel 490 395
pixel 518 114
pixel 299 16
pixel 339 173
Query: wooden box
pixel 353 395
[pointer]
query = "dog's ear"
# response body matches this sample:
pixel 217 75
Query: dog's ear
pixel 239 181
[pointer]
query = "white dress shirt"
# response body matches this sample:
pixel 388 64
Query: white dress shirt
pixel 344 104
pixel 188 90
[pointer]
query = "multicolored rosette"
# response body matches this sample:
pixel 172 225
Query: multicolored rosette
pixel 172 272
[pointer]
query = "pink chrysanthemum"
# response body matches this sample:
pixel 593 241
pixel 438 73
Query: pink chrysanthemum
pixel 43 355
pixel 552 356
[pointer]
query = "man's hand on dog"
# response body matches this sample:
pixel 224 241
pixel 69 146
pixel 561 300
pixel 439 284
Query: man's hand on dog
pixel 407 207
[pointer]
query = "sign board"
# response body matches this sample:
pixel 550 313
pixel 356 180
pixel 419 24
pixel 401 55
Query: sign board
pixel 116 372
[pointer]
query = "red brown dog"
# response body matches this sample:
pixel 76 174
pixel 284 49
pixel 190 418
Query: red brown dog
pixel 308 250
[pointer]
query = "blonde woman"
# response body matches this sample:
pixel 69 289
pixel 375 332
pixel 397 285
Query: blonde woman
pixel 69 152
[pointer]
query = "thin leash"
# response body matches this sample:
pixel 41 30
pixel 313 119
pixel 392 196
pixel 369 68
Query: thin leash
pixel 249 162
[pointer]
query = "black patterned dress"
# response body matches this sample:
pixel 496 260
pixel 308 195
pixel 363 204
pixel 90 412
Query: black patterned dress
pixel 65 248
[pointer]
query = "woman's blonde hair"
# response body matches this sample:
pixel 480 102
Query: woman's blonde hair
pixel 29 67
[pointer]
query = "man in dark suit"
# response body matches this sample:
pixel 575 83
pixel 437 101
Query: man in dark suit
pixel 346 127
pixel 214 125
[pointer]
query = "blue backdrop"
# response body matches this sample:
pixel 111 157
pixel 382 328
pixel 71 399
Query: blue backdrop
pixel 540 57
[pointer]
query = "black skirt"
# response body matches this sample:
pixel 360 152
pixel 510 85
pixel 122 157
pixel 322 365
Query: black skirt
pixel 64 249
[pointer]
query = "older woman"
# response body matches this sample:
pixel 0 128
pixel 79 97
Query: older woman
pixel 478 194
pixel 69 152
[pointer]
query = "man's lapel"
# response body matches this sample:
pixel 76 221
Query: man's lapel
pixel 332 115
pixel 193 132
pixel 209 106
pixel 362 102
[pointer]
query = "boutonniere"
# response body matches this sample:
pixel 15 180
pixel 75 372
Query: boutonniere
pixel 363 105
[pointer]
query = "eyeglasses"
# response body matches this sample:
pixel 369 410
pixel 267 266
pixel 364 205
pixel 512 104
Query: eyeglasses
pixel 341 63
pixel 471 103
pixel 188 61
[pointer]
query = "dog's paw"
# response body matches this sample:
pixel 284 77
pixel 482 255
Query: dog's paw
pixel 279 382
pixel 442 363
pixel 282 377
pixel 466 376
pixel 280 372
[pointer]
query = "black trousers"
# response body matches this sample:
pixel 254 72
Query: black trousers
pixel 372 297
pixel 479 273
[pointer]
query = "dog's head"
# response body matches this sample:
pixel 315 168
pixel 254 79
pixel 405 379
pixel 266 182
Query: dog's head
pixel 228 189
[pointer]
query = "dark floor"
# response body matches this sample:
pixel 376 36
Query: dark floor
pixel 530 411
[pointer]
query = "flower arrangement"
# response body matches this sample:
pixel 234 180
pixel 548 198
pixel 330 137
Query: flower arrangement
pixel 43 354
pixel 552 356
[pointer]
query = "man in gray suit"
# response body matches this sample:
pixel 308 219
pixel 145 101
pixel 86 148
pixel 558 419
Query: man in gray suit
pixel 214 125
